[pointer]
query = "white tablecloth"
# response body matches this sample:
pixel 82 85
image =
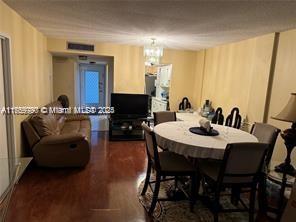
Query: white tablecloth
pixel 176 137
pixel 188 116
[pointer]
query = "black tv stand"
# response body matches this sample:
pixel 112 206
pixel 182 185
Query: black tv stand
pixel 126 128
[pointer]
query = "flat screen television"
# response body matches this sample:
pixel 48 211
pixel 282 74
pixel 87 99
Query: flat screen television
pixel 129 105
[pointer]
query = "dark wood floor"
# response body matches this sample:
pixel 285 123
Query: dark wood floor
pixel 105 190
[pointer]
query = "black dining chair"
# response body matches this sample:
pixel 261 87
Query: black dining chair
pixel 166 164
pixel 267 134
pixel 234 119
pixel 164 116
pixel 234 170
pixel 218 117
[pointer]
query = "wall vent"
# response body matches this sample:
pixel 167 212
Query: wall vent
pixel 80 46
pixel 82 57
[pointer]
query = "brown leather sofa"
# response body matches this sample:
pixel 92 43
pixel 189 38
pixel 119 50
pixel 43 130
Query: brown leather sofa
pixel 58 140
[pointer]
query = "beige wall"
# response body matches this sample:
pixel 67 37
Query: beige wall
pixel 284 83
pixel 183 76
pixel 199 77
pixel 64 70
pixel 237 75
pixel 128 63
pixel 129 68
pixel 260 76
pixel 31 64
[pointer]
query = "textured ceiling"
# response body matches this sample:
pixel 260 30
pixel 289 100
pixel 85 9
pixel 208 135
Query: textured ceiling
pixel 176 24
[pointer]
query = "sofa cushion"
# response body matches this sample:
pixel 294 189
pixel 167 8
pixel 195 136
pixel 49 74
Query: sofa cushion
pixel 71 127
pixel 45 124
pixel 76 117
pixel 54 108
pixel 61 122
pixel 82 127
pixel 85 128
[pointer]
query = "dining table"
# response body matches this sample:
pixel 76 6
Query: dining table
pixel 176 137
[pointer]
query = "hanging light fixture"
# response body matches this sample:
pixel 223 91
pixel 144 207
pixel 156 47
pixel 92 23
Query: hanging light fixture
pixel 153 53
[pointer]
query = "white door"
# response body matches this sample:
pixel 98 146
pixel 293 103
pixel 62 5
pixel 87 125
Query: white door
pixel 4 163
pixel 92 85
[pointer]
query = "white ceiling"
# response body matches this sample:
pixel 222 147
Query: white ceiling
pixel 176 24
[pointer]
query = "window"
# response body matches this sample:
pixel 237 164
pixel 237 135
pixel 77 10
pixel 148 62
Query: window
pixel 91 87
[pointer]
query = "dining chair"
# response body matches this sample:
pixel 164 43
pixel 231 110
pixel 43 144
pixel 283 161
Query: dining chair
pixel 164 116
pixel 235 170
pixel 218 117
pixel 234 119
pixel 268 134
pixel 166 164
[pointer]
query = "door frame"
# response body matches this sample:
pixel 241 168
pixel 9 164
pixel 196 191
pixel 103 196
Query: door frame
pixel 8 95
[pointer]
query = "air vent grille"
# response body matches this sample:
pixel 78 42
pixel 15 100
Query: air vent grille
pixel 80 46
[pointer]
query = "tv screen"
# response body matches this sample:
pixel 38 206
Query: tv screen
pixel 130 105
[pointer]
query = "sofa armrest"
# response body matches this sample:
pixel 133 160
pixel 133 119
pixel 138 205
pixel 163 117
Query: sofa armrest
pixel 62 138
pixel 66 150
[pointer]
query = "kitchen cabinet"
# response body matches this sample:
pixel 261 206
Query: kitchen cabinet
pixel 158 105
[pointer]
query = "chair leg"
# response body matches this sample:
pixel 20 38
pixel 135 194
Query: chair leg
pixel 262 200
pixel 147 179
pixel 235 195
pixel 216 206
pixel 176 183
pixel 155 194
pixel 175 186
pixel 252 204
pixel 216 212
pixel 193 192
pixel 198 183
pixel 216 217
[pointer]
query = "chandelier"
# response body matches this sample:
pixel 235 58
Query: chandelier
pixel 153 53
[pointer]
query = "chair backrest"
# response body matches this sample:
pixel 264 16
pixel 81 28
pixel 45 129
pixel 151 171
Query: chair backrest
pixel 185 104
pixel 164 116
pixel 242 163
pixel 151 146
pixel 218 118
pixel 234 116
pixel 266 133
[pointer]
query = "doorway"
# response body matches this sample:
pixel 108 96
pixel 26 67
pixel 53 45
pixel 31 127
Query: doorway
pixel 92 85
